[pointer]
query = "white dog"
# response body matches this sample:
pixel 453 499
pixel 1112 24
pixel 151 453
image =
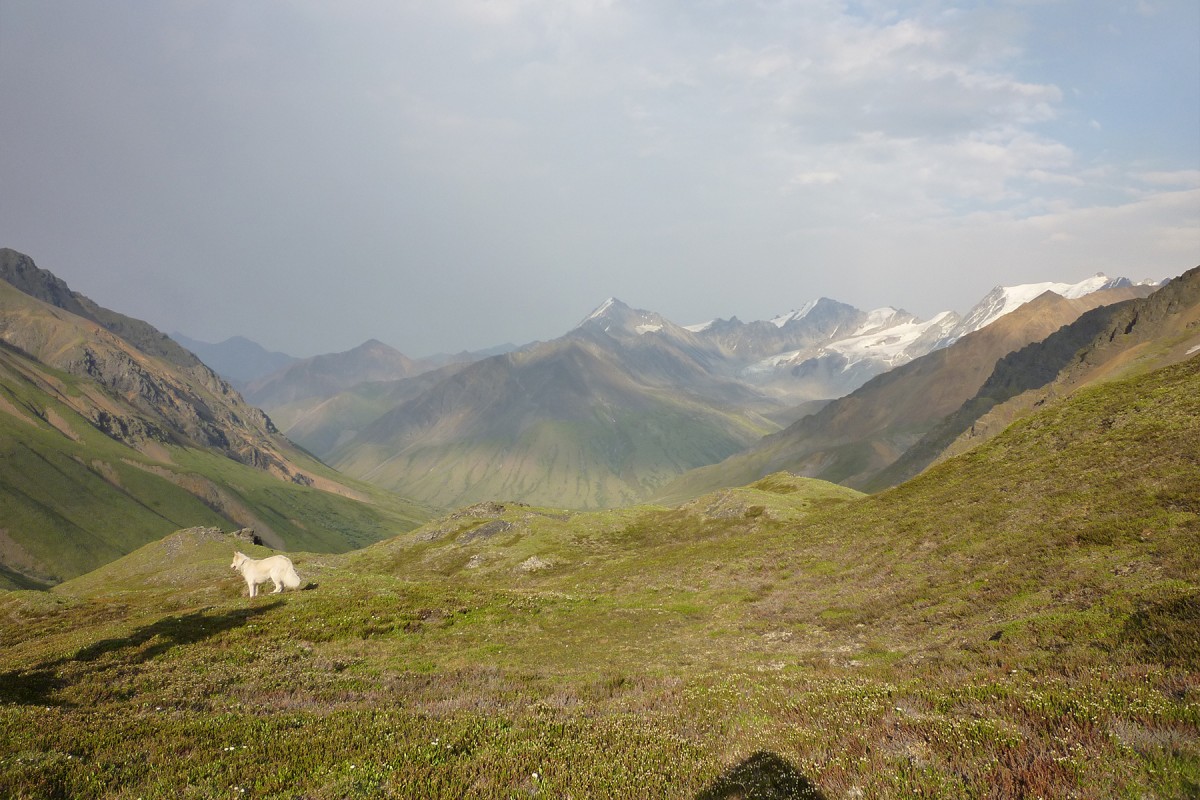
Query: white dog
pixel 277 569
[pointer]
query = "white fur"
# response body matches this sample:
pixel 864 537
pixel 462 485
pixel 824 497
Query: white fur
pixel 277 569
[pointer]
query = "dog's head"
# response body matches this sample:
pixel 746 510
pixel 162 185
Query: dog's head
pixel 238 560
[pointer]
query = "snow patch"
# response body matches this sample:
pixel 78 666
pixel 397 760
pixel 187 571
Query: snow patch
pixel 643 329
pixel 1195 349
pixel 1005 299
pixel 791 316
pixel 891 346
pixel 605 306
pixel 876 319
pixel 888 345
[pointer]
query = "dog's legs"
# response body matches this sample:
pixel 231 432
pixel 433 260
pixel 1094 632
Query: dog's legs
pixel 253 588
pixel 278 586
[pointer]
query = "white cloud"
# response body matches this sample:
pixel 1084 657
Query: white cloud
pixel 1183 178
pixel 816 178
pixel 612 143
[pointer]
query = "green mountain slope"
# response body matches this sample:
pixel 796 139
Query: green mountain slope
pixel 567 423
pixel 106 446
pixel 1134 336
pixel 75 498
pixel 322 425
pixel 1015 622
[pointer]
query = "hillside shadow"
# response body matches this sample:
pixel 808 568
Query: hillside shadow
pixel 1031 367
pixel 762 776
pixel 37 686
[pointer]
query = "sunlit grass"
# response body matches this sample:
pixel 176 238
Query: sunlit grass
pixel 1018 623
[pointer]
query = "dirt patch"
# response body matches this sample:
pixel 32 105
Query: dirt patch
pixel 486 531
pixel 7 407
pixel 18 559
pixel 61 425
pixel 333 487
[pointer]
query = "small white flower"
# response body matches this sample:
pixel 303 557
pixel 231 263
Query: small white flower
pixel 535 776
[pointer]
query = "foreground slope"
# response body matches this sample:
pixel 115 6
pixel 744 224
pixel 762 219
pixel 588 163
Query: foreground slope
pixel 1016 622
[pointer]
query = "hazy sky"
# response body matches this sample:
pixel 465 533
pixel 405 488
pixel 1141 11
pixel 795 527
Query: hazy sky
pixel 455 174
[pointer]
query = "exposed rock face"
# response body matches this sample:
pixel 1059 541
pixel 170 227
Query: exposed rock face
pixel 19 270
pixel 166 394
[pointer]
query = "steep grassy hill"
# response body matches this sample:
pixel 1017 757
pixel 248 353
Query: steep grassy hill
pixel 105 446
pixel 74 497
pixel 1016 622
pixel 1108 342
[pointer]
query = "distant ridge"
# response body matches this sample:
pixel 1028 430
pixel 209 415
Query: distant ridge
pixel 853 438
pixel 325 375
pixel 552 424
pixel 237 359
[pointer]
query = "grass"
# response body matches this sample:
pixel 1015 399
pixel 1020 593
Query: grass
pixel 1019 622
pixel 72 498
pixel 604 458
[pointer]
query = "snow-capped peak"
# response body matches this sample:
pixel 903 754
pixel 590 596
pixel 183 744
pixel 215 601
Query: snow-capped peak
pixel 1006 299
pixel 603 309
pixel 881 318
pixel 613 316
pixel 792 316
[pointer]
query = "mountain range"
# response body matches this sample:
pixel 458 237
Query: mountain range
pixel 852 439
pixel 1018 621
pixel 625 407
pixel 627 402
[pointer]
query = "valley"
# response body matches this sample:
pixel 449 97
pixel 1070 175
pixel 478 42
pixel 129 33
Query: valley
pixel 630 571
pixel 1016 622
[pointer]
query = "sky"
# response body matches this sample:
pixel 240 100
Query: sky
pixel 450 175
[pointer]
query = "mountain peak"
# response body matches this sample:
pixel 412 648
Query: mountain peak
pixel 373 346
pixel 609 308
pixel 1005 299
pixel 614 318
pixel 821 307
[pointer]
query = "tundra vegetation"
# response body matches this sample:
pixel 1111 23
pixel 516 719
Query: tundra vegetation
pixel 1018 621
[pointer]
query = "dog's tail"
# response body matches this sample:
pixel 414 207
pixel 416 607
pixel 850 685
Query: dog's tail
pixel 291 580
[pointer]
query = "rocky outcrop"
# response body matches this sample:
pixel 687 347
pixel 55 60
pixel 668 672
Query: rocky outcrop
pixel 163 394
